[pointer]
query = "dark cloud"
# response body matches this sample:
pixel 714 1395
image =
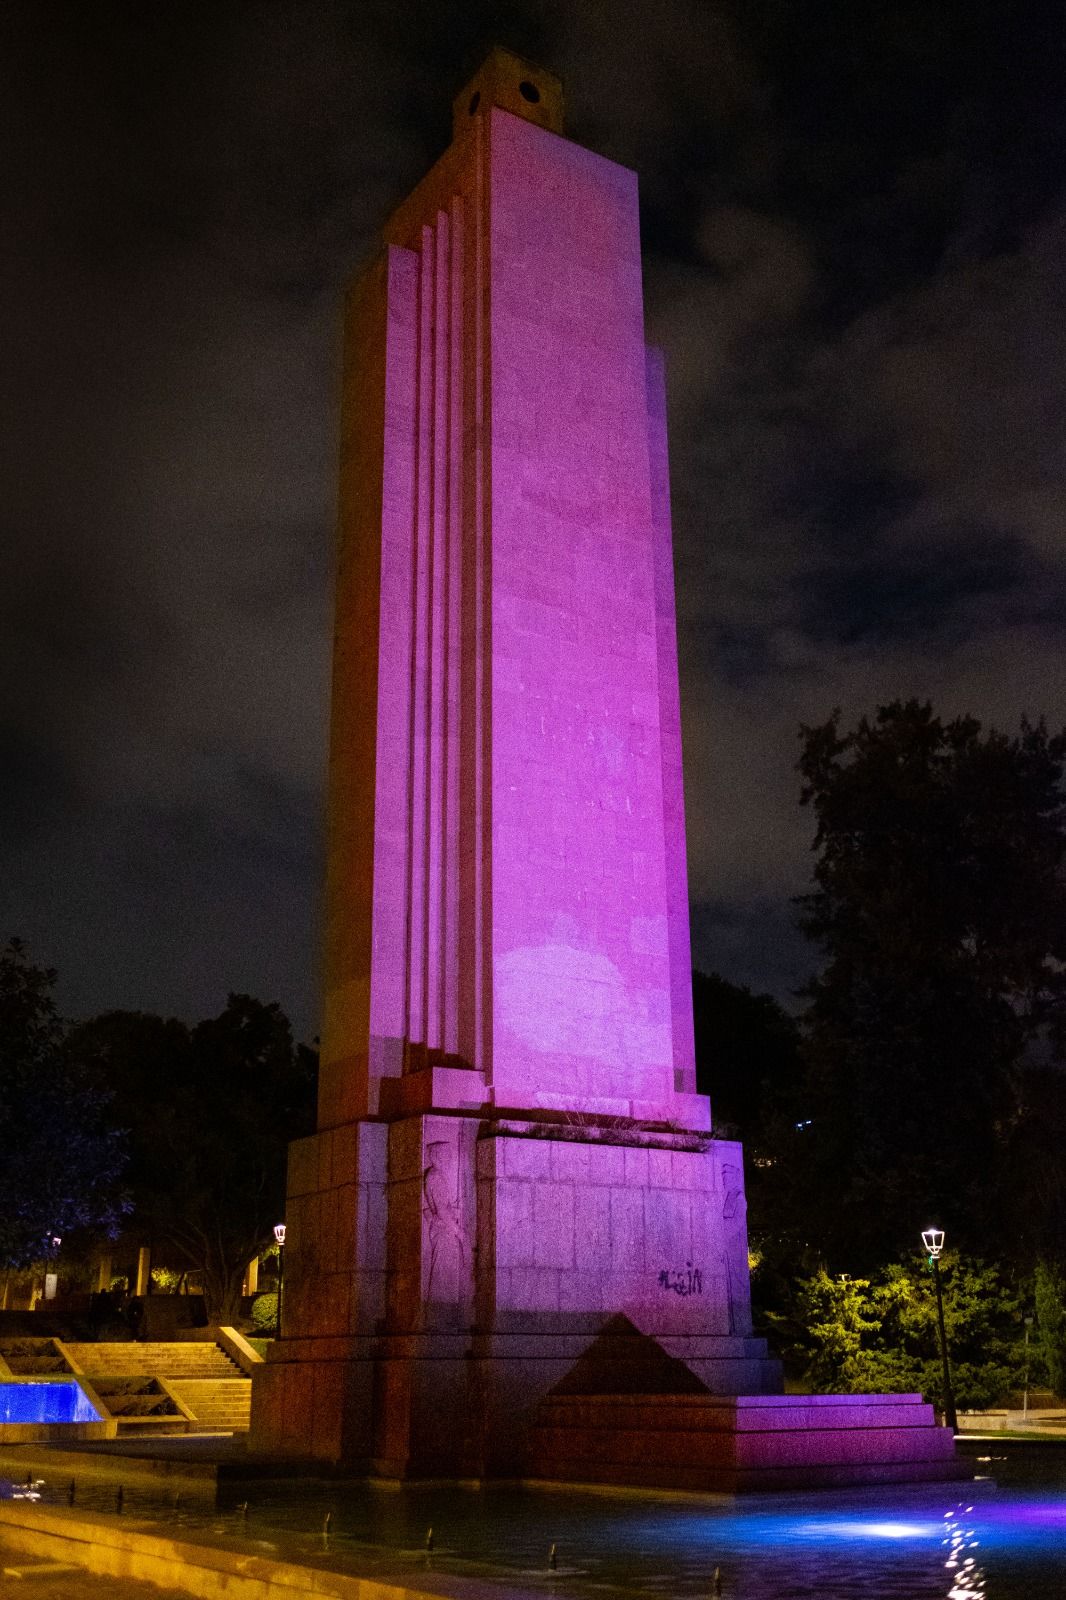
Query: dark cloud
pixel 854 231
pixel 920 591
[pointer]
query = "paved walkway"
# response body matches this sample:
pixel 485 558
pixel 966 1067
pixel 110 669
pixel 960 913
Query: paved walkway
pixel 46 1580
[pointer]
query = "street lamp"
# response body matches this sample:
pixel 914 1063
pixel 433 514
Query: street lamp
pixel 933 1240
pixel 279 1235
pixel 51 1279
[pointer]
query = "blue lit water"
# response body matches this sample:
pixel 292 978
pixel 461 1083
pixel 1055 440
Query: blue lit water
pixel 1000 1540
pixel 45 1402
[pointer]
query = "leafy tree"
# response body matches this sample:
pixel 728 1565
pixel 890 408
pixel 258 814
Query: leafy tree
pixel 939 905
pixel 62 1153
pixel 211 1111
pixel 879 1335
pixel 837 1323
pixel 1050 1297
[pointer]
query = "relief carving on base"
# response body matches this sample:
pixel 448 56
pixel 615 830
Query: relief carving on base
pixel 735 1241
pixel 445 1237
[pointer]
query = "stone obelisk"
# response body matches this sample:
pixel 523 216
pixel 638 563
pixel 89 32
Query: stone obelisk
pixel 513 1192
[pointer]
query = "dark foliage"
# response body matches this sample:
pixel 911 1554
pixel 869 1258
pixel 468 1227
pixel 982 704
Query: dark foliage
pixel 211 1111
pixel 939 906
pixel 1036 1153
pixel 63 1155
pixel 747 1052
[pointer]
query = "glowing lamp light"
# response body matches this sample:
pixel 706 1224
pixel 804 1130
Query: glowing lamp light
pixel 279 1234
pixel 933 1240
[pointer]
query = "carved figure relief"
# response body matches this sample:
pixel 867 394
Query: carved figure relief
pixel 444 1234
pixel 735 1242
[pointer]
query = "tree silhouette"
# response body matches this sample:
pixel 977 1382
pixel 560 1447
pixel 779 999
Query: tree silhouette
pixel 939 905
pixel 211 1111
pixel 63 1154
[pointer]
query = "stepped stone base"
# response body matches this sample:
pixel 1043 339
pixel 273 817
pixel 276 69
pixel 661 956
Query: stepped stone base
pixel 427 1405
pixel 623 1409
pixel 740 1443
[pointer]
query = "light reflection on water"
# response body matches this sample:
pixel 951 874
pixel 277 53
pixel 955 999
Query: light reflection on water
pixel 967 1577
pixel 923 1543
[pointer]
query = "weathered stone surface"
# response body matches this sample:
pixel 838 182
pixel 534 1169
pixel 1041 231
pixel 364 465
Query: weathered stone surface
pixel 750 1442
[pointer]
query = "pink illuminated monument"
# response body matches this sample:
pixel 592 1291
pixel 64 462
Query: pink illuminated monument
pixel 514 1244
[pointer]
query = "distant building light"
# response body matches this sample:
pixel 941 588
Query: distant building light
pixel 805 1124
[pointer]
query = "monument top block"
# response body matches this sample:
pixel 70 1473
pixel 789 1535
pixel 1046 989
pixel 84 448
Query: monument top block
pixel 505 80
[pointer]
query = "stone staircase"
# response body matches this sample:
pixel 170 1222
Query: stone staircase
pixel 205 1390
pixel 178 1360
pixel 220 1405
pixel 186 1386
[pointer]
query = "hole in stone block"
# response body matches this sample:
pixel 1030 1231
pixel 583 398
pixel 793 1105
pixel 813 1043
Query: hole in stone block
pixel 529 91
pixel 475 101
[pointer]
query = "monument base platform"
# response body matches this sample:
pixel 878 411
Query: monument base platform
pixel 626 1411
pixel 741 1443
pixel 462 1405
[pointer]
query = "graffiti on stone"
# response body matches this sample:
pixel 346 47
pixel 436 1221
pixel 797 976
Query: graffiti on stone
pixel 683 1284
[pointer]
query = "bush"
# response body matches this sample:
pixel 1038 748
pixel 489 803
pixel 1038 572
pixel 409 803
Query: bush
pixel 265 1313
pixel 879 1335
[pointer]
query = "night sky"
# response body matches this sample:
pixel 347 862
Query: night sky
pixel 854 219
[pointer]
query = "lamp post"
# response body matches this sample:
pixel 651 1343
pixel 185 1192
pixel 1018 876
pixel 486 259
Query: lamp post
pixel 933 1240
pixel 1025 1391
pixel 279 1235
pixel 51 1279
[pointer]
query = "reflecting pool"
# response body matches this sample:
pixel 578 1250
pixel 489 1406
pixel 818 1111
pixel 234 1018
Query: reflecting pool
pixel 38 1401
pixel 986 1541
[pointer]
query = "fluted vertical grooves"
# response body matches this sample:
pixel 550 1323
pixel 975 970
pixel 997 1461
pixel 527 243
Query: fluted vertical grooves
pixel 445 806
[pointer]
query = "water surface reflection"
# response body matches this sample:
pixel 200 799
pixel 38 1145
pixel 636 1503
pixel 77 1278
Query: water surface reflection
pixel 1000 1542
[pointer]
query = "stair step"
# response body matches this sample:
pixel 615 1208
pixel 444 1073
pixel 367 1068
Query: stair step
pixel 200 1374
pixel 183 1359
pixel 224 1404
pixel 718 1442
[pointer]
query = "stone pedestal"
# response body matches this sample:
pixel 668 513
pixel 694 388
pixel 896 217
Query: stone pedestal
pixel 477 1264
